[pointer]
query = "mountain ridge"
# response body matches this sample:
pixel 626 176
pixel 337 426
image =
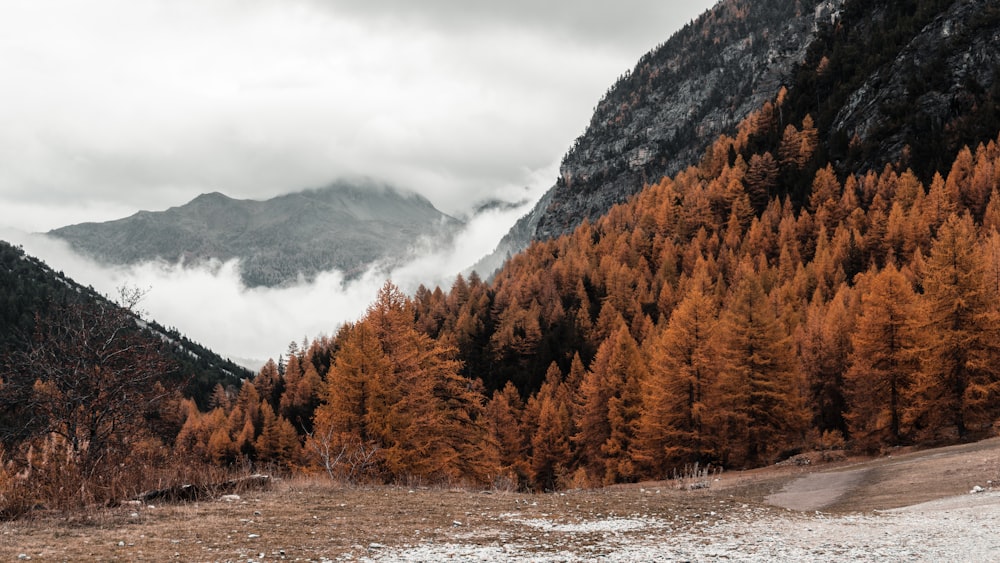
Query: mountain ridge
pixel 909 82
pixel 343 227
pixel 658 118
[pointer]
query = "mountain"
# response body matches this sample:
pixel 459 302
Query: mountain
pixel 881 79
pixel 29 288
pixel 343 227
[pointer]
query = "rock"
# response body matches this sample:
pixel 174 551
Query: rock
pixel 207 490
pixel 976 489
pixel 229 498
pixel 658 119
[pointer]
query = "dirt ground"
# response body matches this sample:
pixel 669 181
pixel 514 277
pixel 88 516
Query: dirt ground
pixel 894 481
pixel 314 520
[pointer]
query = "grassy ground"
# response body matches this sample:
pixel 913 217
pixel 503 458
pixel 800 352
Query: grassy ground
pixel 312 519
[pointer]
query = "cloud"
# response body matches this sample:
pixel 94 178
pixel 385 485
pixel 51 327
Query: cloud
pixel 210 305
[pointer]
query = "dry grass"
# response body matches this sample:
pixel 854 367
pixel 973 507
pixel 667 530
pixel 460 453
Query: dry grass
pixel 314 519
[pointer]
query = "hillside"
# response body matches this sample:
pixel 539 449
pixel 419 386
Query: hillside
pixel 342 227
pixel 28 287
pixel 884 81
pixel 770 299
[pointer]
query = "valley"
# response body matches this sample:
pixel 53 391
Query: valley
pixel 774 252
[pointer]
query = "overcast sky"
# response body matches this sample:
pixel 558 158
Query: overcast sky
pixel 112 106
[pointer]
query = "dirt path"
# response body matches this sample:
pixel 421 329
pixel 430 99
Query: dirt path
pixel 894 481
pixel 816 491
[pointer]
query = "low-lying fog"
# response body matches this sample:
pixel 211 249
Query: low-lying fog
pixel 210 305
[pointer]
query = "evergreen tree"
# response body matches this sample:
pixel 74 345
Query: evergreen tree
pixel 959 376
pixel 884 358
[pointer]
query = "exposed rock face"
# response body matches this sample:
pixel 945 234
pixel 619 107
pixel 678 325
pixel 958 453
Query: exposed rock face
pixel 946 71
pixel 936 91
pixel 343 227
pixel 680 97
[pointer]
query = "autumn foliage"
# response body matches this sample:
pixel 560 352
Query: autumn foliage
pixel 706 320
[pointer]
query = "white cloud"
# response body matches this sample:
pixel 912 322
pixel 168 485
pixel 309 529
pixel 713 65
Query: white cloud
pixel 210 305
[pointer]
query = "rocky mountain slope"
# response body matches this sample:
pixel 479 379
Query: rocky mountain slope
pixel 884 81
pixel 343 227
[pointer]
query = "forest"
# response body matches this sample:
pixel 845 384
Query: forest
pixel 709 319
pixel 706 321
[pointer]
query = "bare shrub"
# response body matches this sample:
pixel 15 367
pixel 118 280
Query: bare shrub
pixel 694 476
pixel 344 456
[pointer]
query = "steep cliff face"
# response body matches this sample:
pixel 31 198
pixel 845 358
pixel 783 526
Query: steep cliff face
pixel 938 92
pixel 659 118
pixel 886 82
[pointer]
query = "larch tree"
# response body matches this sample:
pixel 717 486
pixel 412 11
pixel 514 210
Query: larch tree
pixel 608 414
pixel 430 417
pixel 550 432
pixel 682 374
pixel 959 376
pixel 824 349
pixel 884 359
pixel 344 436
pixel 504 417
pixel 759 410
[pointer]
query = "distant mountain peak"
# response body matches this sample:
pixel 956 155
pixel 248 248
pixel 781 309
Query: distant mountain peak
pixel 343 226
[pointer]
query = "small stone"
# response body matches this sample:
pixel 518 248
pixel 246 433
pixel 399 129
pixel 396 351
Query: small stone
pixel 121 544
pixel 456 523
pixel 229 498
pixel 976 489
pixel 23 556
pixel 375 546
pixel 253 536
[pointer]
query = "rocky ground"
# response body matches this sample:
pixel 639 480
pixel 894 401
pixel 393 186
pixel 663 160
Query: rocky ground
pixel 917 506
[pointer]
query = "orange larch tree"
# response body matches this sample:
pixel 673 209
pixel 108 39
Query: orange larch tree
pixel 682 375
pixel 884 358
pixel 959 376
pixel 758 410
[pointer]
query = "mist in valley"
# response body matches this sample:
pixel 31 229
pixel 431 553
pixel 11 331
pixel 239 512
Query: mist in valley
pixel 209 303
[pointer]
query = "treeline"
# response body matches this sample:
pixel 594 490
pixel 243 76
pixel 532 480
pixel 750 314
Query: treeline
pixel 684 326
